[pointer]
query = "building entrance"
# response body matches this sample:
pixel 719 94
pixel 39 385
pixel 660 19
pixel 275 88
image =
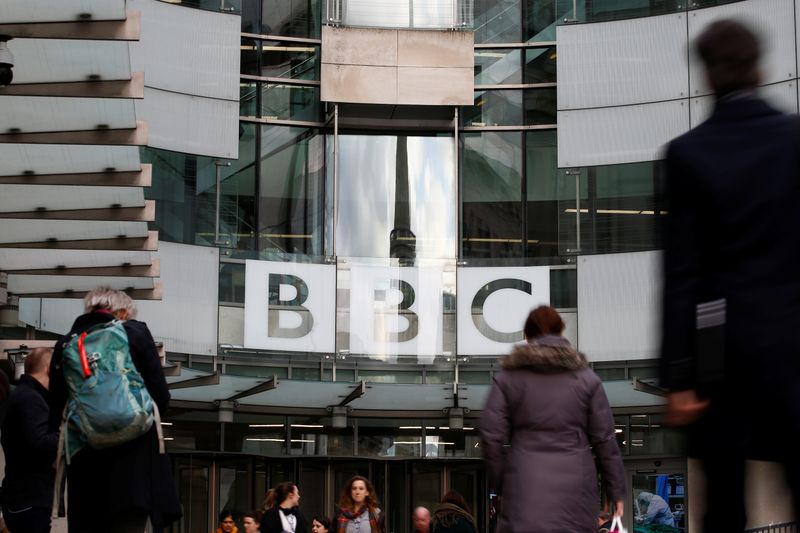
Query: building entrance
pixel 209 483
pixel 657 498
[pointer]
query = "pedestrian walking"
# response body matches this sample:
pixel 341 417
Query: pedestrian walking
pixel 358 510
pixel 285 515
pixel 453 515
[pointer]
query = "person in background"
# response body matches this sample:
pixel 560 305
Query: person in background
pixel 422 520
pixel 251 521
pixel 131 484
pixel 453 515
pixel 30 446
pixel 654 510
pixel 285 517
pixel 358 510
pixel 546 418
pixel 227 524
pixel 321 524
pixel 730 181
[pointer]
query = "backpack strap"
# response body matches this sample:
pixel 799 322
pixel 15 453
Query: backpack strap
pixel 60 465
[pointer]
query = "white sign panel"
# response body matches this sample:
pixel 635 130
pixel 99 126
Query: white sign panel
pixel 396 311
pixel 493 304
pixel 289 306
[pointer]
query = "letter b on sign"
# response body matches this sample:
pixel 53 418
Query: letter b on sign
pixel 293 305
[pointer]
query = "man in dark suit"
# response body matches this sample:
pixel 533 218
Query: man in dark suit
pixel 30 449
pixel 733 191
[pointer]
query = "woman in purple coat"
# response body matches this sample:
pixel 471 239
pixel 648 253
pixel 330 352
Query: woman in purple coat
pixel 546 412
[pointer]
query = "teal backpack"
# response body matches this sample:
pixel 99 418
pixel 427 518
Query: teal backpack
pixel 108 403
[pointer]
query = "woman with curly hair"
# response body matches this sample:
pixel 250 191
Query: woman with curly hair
pixel 358 508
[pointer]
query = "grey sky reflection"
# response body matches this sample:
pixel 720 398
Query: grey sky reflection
pixel 367 177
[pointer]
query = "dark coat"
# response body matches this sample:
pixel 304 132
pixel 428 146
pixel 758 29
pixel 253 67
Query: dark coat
pixel 448 518
pixel 733 186
pixel 30 448
pixel 131 477
pixel 271 522
pixel 552 411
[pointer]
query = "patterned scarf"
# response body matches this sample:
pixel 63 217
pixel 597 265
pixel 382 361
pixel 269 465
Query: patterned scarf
pixel 345 515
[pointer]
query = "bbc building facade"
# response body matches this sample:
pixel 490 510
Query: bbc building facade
pixel 335 216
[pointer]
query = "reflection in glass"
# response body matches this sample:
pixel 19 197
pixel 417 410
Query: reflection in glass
pixel 540 106
pixel 497 21
pixel 564 288
pixel 290 18
pixel 540 65
pixel 393 438
pixel 290 102
pixel 491 185
pixel 292 189
pixel 289 60
pixel 419 14
pixel 249 56
pixel 494 108
pixel 396 197
pixel 248 98
pixel 493 67
pixel 625 9
pixel 316 436
pixel 542 17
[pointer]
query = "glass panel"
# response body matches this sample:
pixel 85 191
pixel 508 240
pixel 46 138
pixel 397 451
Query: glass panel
pixel 624 9
pixel 564 288
pixel 289 60
pixel 540 65
pixel 231 282
pixel 397 497
pixel 498 21
pixel 342 472
pixel 256 434
pixel 494 108
pixel 312 489
pixel 695 4
pixel 251 15
pixel 627 209
pixel 290 102
pixel 610 374
pixel 542 16
pixel 184 187
pixel 292 182
pixel 341 375
pixel 494 67
pixel 440 377
pixel 426 485
pixel 394 314
pixel 470 481
pixel 249 52
pixel 491 184
pixel 540 106
pixel 192 477
pixel 573 212
pixel 396 197
pixel 473 377
pixel 541 168
pixel 248 99
pixel 256 371
pixel 192 431
pixel 650 437
pixel 659 502
pixel 234 487
pixel 389 376
pixel 421 14
pixel 305 374
pixel 389 438
pixel 317 436
pixel 621 433
pixel 291 18
pixel 441 441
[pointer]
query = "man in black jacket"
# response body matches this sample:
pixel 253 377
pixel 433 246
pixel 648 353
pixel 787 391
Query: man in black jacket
pixel 733 191
pixel 30 448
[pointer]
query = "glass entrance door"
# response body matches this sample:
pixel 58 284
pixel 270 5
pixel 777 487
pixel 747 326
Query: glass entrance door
pixel 658 499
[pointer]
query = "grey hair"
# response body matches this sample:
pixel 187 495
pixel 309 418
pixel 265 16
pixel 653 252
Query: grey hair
pixel 109 299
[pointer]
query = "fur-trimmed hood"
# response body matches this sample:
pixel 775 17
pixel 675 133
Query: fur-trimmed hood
pixel 548 354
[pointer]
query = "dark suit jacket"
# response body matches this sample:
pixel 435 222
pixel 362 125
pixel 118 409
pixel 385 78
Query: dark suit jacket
pixel 271 522
pixel 30 448
pixel 733 194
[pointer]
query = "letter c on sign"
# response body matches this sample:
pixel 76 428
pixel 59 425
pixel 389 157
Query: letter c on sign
pixel 480 299
pixel 295 305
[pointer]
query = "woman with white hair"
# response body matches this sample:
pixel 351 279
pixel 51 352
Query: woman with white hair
pixel 128 486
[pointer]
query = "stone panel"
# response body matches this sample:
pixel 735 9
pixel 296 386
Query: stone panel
pixel 434 86
pixel 359 84
pixel 359 46
pixel 435 49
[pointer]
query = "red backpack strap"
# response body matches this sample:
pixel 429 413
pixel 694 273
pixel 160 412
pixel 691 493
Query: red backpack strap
pixel 87 372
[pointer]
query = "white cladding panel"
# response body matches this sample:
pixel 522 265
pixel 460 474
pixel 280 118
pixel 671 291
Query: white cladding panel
pixel 32 114
pixel 622 62
pixel 628 134
pixel 21 11
pixel 189 51
pixel 619 306
pixel 63 60
pixel 782 96
pixel 66 158
pixel 185 319
pixel 190 124
pixel 772 20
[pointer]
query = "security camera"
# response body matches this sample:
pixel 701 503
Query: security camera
pixel 6 61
